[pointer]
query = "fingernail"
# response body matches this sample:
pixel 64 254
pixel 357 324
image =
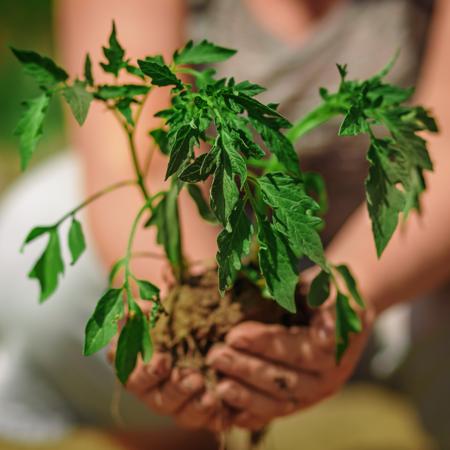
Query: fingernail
pixel 221 361
pixel 191 384
pixel 240 342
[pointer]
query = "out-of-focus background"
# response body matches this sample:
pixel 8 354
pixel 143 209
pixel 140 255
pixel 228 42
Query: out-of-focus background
pixel 24 24
pixel 363 417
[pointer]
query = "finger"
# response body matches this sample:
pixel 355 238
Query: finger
pixel 249 421
pixel 148 376
pixel 292 346
pixel 174 393
pixel 256 403
pixel 273 379
pixel 199 411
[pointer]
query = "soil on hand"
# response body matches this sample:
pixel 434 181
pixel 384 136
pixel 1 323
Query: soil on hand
pixel 198 317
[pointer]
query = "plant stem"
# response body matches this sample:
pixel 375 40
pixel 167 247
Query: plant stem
pixel 137 168
pixel 94 197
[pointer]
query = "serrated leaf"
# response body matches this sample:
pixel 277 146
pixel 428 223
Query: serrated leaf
pixel 180 149
pixel 232 246
pixel 88 70
pixel 294 211
pixel 354 123
pixel 278 265
pixel 278 144
pixel 161 139
pixel 347 321
pixel 114 54
pixel 202 206
pixel 237 162
pixel 103 324
pixel 130 343
pixel 147 290
pixel 160 74
pixel 203 52
pixel 49 267
pixel 350 282
pixel 224 191
pixel 77 243
pixel 319 290
pixel 250 89
pixel 79 100
pixel 42 69
pixel 29 128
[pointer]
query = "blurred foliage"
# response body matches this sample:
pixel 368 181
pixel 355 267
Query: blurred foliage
pixel 25 24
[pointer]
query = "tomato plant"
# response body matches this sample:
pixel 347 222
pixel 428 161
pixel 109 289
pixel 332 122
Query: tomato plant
pixel 269 210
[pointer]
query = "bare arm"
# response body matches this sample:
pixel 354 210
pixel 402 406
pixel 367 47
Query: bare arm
pixel 144 28
pixel 418 257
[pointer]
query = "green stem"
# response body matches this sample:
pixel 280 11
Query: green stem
pixel 94 197
pixel 188 71
pixel 137 168
pixel 315 118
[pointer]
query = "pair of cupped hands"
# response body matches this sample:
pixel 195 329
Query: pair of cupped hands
pixel 265 372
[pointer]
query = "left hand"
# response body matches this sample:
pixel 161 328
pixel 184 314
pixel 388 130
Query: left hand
pixel 272 371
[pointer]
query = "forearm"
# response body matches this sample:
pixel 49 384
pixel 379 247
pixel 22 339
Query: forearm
pixel 418 257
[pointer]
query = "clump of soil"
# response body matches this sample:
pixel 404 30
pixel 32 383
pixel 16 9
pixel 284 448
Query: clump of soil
pixel 198 317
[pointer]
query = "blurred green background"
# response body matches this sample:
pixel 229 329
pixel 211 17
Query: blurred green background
pixel 24 24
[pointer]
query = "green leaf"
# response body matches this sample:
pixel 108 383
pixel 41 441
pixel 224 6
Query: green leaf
pixel 35 233
pixel 180 149
pixel 124 108
pixel 250 89
pixel 114 54
pixel 315 185
pixel 88 70
pixel 147 290
pixel 294 213
pixel 347 321
pixel 278 265
pixel 116 92
pixel 281 147
pixel 202 53
pixel 224 191
pixel 165 217
pixel 130 343
pixel 49 266
pixel 46 73
pixel 260 112
pixel 202 206
pixel 161 139
pixel 350 283
pixel 103 324
pixel 384 201
pixel 79 100
pixel 29 128
pixel 77 243
pixel 160 74
pixel 319 290
pixel 237 162
pixel 354 123
pixel 232 246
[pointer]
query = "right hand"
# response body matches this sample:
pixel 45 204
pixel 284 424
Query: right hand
pixel 180 393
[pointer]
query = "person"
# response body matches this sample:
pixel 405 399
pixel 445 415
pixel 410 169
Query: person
pixel 286 46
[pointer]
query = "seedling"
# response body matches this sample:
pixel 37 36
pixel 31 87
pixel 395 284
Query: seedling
pixel 269 210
